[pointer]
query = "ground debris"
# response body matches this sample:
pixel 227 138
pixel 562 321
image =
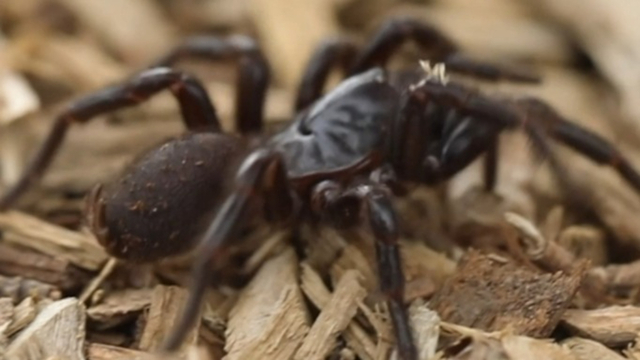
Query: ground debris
pixel 473 344
pixel 323 300
pixel 615 326
pixel 119 306
pixel 269 320
pixel 58 331
pixel 492 293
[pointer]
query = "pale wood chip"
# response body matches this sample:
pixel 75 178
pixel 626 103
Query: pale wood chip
pixel 355 336
pixel 97 351
pixel 607 32
pixel 6 310
pixel 57 331
pixel 79 248
pixel 585 349
pixel 18 288
pixel 270 319
pixel 19 261
pixel 614 326
pixel 167 304
pixel 476 344
pixel 118 306
pixel 17 100
pixel 334 318
pixel 23 315
pixel 289 50
pixel 136 30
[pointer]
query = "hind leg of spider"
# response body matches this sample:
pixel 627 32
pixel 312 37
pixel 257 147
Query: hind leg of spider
pixel 263 175
pixel 253 72
pixel 395 32
pixel 341 208
pixel 197 111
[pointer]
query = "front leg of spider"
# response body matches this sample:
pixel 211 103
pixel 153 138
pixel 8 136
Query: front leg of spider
pixel 373 202
pixel 261 175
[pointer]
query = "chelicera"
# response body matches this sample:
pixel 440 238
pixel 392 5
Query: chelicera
pixel 340 161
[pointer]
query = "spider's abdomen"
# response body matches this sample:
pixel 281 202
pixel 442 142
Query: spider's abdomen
pixel 162 202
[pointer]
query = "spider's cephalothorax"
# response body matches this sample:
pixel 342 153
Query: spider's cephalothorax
pixel 340 160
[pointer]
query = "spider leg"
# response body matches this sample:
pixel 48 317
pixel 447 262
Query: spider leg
pixel 580 139
pixel 198 113
pixel 262 174
pixel 253 72
pixel 336 52
pixel 537 119
pixel 395 32
pixel 341 206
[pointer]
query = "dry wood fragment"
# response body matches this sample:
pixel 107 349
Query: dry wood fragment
pixel 47 269
pixel 478 345
pixel 17 99
pixel 23 314
pixel 607 32
pixel 17 288
pixel 78 248
pixel 618 277
pixel 493 294
pixel 545 253
pixel 585 349
pixel 425 324
pixel 167 303
pixel 355 336
pixel 632 352
pixel 119 306
pixel 135 30
pixel 614 326
pixel 585 242
pixel 97 351
pixel 57 331
pixel 333 319
pixel 492 34
pixel 77 63
pixel 269 320
pixel 288 50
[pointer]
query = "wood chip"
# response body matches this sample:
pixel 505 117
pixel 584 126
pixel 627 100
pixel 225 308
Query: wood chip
pixel 475 344
pixel 6 310
pixel 585 349
pixel 119 24
pixel 23 315
pixel 425 325
pixel 615 326
pixel 355 336
pixel 18 288
pixel 78 248
pixel 270 319
pixel 57 332
pixel 167 303
pixel 288 51
pixel 607 32
pixel 494 295
pixel 119 306
pixel 48 269
pixel 334 318
pixel 108 352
